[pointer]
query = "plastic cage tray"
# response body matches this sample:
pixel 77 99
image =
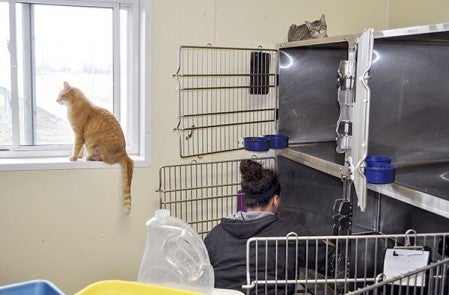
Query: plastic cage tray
pixel 35 287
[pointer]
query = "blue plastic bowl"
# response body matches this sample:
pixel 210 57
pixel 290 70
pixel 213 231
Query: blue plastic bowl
pixel 257 144
pixel 380 173
pixel 277 141
pixel 369 160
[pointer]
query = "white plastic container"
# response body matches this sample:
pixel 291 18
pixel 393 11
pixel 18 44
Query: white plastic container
pixel 175 255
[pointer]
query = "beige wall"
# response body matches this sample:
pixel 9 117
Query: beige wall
pixel 67 226
pixel 406 13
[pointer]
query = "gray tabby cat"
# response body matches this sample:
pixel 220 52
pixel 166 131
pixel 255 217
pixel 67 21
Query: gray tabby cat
pixel 314 30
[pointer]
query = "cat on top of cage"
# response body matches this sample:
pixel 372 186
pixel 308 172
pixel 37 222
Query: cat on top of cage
pixel 308 30
pixel 100 133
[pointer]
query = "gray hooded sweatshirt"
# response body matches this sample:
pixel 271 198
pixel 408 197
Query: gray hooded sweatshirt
pixel 226 245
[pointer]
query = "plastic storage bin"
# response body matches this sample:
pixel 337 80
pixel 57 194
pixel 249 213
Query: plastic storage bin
pixel 34 287
pixel 114 287
pixel 175 255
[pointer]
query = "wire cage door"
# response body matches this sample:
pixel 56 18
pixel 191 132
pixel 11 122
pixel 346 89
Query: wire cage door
pixel 391 264
pixel 203 193
pixel 224 94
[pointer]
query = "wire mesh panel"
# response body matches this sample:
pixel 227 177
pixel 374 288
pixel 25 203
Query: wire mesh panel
pixel 224 94
pixel 436 282
pixel 343 264
pixel 203 193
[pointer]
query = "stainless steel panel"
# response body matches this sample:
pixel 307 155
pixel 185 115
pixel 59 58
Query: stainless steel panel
pixel 410 95
pixel 432 179
pixel 413 197
pixel 307 196
pixel 311 108
pixel 308 106
pixel 412 31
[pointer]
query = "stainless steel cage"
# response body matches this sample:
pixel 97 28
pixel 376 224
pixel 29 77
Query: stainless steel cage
pixel 203 193
pixel 359 264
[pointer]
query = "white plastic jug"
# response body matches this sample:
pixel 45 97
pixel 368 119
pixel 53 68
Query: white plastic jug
pixel 175 255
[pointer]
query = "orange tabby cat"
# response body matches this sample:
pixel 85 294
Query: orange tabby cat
pixel 100 133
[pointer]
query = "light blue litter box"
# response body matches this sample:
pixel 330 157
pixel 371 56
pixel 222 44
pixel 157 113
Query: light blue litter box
pixel 34 287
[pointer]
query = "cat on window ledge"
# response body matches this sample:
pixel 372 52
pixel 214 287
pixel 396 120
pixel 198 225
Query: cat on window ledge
pixel 308 30
pixel 100 133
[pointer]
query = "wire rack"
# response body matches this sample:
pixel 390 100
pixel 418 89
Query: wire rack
pixel 203 193
pixel 436 284
pixel 224 94
pixel 354 264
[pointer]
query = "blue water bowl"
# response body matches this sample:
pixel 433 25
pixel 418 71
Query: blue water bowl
pixel 369 160
pixel 277 141
pixel 257 144
pixel 380 173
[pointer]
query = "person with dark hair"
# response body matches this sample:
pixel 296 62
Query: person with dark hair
pixel 226 242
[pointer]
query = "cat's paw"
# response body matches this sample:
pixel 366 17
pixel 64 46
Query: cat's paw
pixel 73 158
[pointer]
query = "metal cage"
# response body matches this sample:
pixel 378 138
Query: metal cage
pixel 436 283
pixel 203 193
pixel 361 264
pixel 224 94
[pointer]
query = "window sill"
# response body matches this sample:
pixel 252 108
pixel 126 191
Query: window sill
pixel 60 163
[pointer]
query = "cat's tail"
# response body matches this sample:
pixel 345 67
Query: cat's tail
pixel 127 175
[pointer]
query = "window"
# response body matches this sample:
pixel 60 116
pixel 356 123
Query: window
pixel 95 46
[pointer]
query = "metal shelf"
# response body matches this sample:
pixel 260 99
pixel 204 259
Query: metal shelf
pixel 321 156
pixel 424 186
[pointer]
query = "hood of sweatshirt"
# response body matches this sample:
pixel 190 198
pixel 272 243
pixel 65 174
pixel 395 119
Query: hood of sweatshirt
pixel 244 229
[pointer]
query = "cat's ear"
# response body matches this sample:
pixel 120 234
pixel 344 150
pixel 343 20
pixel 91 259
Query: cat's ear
pixel 66 86
pixel 309 25
pixel 323 18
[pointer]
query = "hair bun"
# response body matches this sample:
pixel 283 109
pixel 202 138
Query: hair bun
pixel 250 170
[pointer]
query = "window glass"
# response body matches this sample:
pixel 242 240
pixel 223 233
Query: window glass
pixel 5 78
pixel 124 65
pixel 72 44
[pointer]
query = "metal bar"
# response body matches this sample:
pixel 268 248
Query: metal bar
pixel 220 75
pixel 228 48
pixel 222 87
pixel 202 199
pixel 223 125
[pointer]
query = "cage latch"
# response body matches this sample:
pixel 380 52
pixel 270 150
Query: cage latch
pixel 345 99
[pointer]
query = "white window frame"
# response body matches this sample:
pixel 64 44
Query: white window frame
pixel 56 156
